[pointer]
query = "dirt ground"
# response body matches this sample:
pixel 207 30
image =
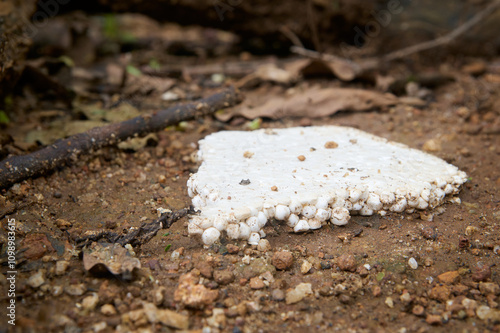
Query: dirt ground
pixel 357 278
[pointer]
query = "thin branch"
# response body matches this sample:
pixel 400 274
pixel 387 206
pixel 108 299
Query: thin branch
pixel 291 36
pixel 446 39
pixel 18 168
pixel 367 64
pixel 136 237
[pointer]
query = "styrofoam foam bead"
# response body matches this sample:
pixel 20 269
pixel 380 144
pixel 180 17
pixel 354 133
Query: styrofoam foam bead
pixel 253 223
pixel 282 212
pixel 340 203
pixel 438 194
pixel 295 207
pixel 233 231
pixel 292 220
pixel 400 193
pixel 198 201
pixel 309 211
pixel 366 210
pixel 244 230
pixel 425 194
pixel 213 196
pixel 341 194
pixel 357 205
pixel 262 233
pixel 253 211
pixel 387 198
pixel 269 211
pixel 261 217
pixel 440 182
pixel 413 202
pixel 210 236
pixel 194 229
pixel 373 202
pixel 301 226
pixel 449 189
pixel 206 223
pixel 410 210
pixel 205 192
pixel 354 195
pixel 340 216
pixel 399 206
pixel 348 205
pixel 422 204
pixel 220 223
pixel 254 238
pixel 190 192
pixel 314 224
pixel 382 213
pixel 364 195
pixel 322 214
pixel 322 203
pixel 459 179
pixel 308 199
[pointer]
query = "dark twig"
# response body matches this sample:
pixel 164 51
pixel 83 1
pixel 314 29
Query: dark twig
pixel 364 65
pixel 135 237
pixel 291 36
pixel 311 20
pixel 18 168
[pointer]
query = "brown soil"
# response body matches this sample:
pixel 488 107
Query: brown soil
pixel 117 190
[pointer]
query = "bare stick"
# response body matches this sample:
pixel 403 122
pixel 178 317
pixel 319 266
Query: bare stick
pixel 371 63
pixel 446 39
pixel 135 237
pixel 18 168
pixel 291 36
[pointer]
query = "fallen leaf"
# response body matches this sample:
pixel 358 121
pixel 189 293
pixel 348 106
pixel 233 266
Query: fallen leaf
pixel 112 258
pixel 315 103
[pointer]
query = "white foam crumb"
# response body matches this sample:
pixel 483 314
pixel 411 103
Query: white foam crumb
pixel 307 177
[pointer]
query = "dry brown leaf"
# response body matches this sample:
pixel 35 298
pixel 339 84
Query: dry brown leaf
pixel 316 103
pixel 112 258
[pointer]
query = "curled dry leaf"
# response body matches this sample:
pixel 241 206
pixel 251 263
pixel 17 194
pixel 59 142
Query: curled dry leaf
pixel 109 258
pixel 315 103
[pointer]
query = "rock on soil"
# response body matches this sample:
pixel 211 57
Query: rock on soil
pixel 298 293
pixel 282 260
pixel 192 294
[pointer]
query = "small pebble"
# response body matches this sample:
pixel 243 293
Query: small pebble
pixel 413 263
pixel 61 267
pixel 433 319
pixel 37 279
pixel 108 310
pixel 389 302
pixel 305 267
pixel 346 262
pixel 278 295
pixel 256 283
pixel 264 245
pixel 418 310
pixel 282 260
pixel 298 293
pixel 89 303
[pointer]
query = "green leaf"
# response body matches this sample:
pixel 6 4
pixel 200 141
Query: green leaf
pixel 154 64
pixel 168 247
pixel 133 70
pixel 380 276
pixel 255 124
pixel 67 61
pixel 166 234
pixel 4 119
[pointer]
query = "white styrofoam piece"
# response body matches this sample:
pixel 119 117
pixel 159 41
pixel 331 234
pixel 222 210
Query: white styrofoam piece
pixel 309 176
